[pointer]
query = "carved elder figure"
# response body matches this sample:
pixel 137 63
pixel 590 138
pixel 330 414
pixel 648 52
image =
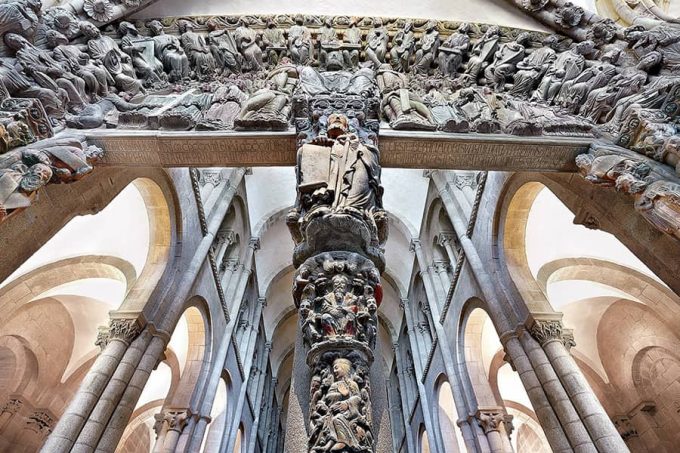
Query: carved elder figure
pixel 567 66
pixel 505 61
pixel 352 44
pixel 403 108
pixel 104 50
pixel 299 41
pixel 376 43
pixel 96 77
pixel 246 39
pixel 21 17
pixel 45 70
pixel 483 52
pixel 454 49
pixel 428 46
pixel 530 70
pixel 197 50
pixel 144 60
pixel 20 86
pixel 169 50
pixel 274 43
pixel 574 92
pixel 403 44
pixel 224 48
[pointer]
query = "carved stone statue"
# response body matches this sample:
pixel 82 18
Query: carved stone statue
pixel 300 42
pixel 224 49
pixel 78 62
pixel 449 117
pixel 331 56
pixel 403 45
pixel 566 67
pixel 428 46
pixel 376 43
pixel 352 44
pixel 531 70
pixel 200 57
pixel 20 86
pixel 403 108
pixel 660 205
pixel 246 39
pixel 338 417
pixel 274 43
pixel 600 102
pixel 169 50
pixel 23 171
pixel 483 52
pixel 20 17
pixel 45 70
pixel 505 61
pixel 453 50
pixel 141 51
pixel 574 92
pixel 104 51
pixel 479 113
pixel 267 108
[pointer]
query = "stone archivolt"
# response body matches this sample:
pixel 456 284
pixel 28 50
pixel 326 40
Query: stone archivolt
pixel 592 79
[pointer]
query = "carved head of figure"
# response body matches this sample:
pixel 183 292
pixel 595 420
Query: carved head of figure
pixel 523 38
pixel 633 33
pixel 464 28
pixel 408 26
pixel 377 22
pixel 15 42
pixel 155 27
pixel 271 23
pixel 338 124
pixel 299 20
pixel 552 41
pixel 340 284
pixel 431 25
pixel 212 24
pixel 35 5
pixel 36 177
pixel 305 309
pixel 584 47
pixel 611 56
pixel 650 61
pixel 54 39
pixel 492 32
pixel 90 30
pixel 125 28
pixel 185 26
pixel 328 22
pixel 341 368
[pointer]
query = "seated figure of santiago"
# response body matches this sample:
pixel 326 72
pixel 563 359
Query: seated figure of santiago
pixel 337 173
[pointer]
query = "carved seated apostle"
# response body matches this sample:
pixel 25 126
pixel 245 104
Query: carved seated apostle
pixel 169 51
pixel 224 48
pixel 246 40
pixel 274 43
pixel 505 61
pixel 479 113
pixel 483 52
pixel 427 49
pixel 299 42
pixel 267 108
pixel 453 50
pixel 200 57
pixel 376 43
pixel 141 52
pixel 530 70
pixel 403 45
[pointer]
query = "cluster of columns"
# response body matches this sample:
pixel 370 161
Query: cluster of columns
pixel 132 347
pixel 571 416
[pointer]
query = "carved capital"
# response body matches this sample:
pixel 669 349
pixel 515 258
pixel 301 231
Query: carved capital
pixel 103 337
pixel 463 180
pixel 12 406
pixel 446 238
pixel 490 419
pixel 124 329
pixel 254 243
pixel 268 347
pixel 545 331
pixel 262 301
pixel 625 427
pixel 211 176
pixel 414 245
pixel 177 419
pixel 568 338
pixel 41 422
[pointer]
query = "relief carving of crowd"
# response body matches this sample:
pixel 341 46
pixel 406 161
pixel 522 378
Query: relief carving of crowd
pixel 79 70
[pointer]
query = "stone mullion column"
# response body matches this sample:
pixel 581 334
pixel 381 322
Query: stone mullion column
pixel 422 392
pixel 523 361
pixel 469 435
pixel 247 366
pixel 119 420
pixel 268 402
pixel 221 355
pixel 176 424
pixel 406 410
pixel 115 342
pixel 493 421
pixel 603 432
pixel 257 406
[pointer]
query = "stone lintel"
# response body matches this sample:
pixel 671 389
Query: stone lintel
pixel 398 149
